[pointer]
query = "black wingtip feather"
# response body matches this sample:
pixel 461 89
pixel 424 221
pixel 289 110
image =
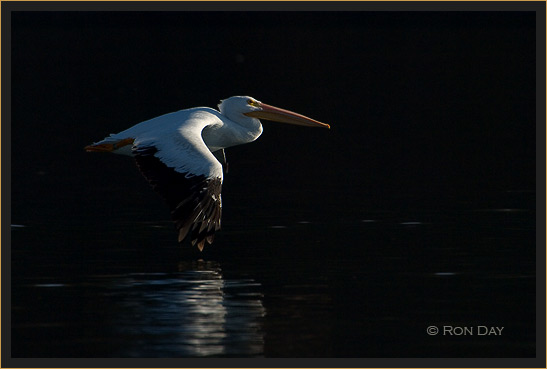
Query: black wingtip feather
pixel 195 201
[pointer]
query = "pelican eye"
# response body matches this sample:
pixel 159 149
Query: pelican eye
pixel 252 102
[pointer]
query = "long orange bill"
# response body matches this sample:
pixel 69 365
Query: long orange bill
pixel 269 112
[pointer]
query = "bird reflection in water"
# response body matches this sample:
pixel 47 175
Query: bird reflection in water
pixel 194 312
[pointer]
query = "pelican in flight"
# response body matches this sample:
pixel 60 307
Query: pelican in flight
pixel 181 154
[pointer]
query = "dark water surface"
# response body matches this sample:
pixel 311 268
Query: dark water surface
pixel 416 209
pixel 280 285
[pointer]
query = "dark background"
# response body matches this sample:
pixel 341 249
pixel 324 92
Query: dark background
pixel 433 123
pixel 441 102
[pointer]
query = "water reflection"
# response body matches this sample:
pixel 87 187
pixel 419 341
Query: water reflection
pixel 331 290
pixel 194 312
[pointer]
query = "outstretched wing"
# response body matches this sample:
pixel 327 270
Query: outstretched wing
pixel 180 167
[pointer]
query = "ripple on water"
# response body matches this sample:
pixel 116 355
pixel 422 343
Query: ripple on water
pixel 191 313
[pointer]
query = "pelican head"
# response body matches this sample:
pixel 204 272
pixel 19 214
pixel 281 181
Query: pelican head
pixel 236 106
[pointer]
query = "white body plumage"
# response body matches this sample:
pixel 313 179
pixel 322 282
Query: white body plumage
pixel 182 156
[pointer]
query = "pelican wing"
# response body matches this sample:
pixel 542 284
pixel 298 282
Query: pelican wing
pixel 180 167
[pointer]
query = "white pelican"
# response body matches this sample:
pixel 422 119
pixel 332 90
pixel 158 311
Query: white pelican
pixel 181 155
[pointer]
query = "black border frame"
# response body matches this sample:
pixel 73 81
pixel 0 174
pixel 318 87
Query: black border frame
pixel 539 7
